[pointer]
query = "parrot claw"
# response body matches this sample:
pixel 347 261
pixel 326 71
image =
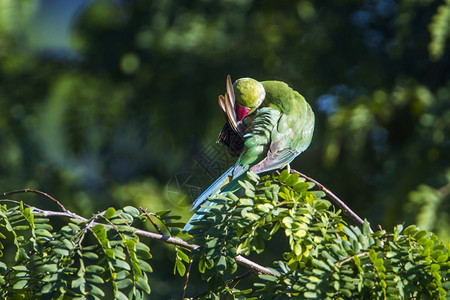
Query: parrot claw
pixel 288 168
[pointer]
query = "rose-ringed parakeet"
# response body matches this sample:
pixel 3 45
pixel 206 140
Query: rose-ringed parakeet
pixel 268 125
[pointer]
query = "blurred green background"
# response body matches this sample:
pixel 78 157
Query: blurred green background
pixel 114 103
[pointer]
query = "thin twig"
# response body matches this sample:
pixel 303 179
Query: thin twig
pixel 144 211
pixel 242 276
pixel 238 278
pixel 50 213
pixel 36 192
pixel 186 281
pixel 352 257
pixel 345 209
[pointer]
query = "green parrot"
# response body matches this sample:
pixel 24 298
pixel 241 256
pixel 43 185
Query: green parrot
pixel 268 125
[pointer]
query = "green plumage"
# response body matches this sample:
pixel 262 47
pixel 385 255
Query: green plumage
pixel 268 125
pixel 278 130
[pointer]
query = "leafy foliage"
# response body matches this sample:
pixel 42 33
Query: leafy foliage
pixel 78 260
pixel 406 264
pixel 317 254
pixel 325 258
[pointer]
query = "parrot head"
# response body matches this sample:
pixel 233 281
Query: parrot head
pixel 249 95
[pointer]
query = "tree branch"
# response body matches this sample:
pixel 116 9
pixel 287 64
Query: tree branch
pixel 160 237
pixel 186 281
pixel 36 192
pixel 175 241
pixel 345 209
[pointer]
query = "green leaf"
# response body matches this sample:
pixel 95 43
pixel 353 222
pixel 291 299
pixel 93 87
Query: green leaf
pixel 163 212
pixel 320 264
pixel 95 279
pixel 180 268
pixel 100 230
pixel 264 208
pixel 61 251
pixel 20 284
pixel 300 187
pixel 222 263
pixel 131 211
pixel 252 176
pixel 183 256
pixel 110 253
pixel 78 283
pixel 143 284
pixel 73 227
pixel 420 234
pixel 246 202
pixel 350 233
pixel 202 265
pixel 122 274
pixel 267 277
pixel 19 268
pixel 121 284
pixel 95 269
pixel 121 264
pixel 252 216
pixel 51 268
pixel 366 227
pixel 21 227
pixel 287 221
pixel 144 266
pixel 292 179
pixel 95 290
pixel 318 194
pixel 110 212
pixel 346 293
pixel 310 295
pixel 249 193
pixel 176 224
pixel 169 217
pixel 120 296
pixel 297 249
pixel 68 244
pixel 212 243
pixel 283 176
pixel 90 255
pixel 442 258
pixel 43 232
pixel 435 267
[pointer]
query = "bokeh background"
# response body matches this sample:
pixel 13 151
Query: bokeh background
pixel 114 103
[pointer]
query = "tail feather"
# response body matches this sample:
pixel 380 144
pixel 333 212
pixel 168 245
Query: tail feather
pixel 195 217
pixel 212 188
pixel 235 172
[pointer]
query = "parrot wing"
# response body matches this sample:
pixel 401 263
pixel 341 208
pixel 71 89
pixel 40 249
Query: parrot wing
pixel 290 136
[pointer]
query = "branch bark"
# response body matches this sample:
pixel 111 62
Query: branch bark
pixel 36 192
pixel 257 268
pixel 338 202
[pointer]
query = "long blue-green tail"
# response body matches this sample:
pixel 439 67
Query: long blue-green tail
pixel 233 172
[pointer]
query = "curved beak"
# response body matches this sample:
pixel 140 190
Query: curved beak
pixel 241 112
